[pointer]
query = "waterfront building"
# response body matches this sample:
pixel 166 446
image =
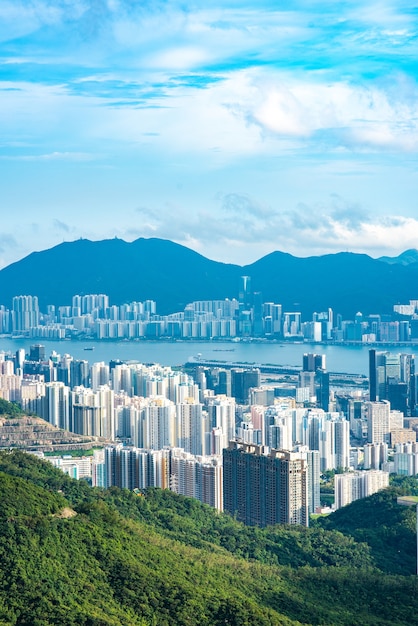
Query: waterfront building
pixel 292 325
pixel 242 380
pixel 25 313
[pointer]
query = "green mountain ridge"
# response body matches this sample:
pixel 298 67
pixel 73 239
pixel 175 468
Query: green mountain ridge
pixel 174 275
pixel 158 558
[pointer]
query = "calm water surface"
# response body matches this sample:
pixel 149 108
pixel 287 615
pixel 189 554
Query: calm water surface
pixel 350 359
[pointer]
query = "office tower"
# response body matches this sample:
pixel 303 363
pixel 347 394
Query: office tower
pixel 315 376
pixel 377 375
pixel 25 313
pixel 322 389
pixel 258 329
pixel 312 362
pixel 312 331
pixel 398 395
pixel 245 324
pixel 39 368
pixel 378 421
pixel 292 324
pixel 355 415
pixel 392 377
pixel 242 380
pixel 306 380
pixel 264 488
pixel 325 320
pixel 262 395
pixel 219 380
pixel 20 358
pixel 245 293
pixel 273 312
pixel 37 352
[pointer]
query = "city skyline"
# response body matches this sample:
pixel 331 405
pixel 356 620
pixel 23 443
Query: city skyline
pixel 235 130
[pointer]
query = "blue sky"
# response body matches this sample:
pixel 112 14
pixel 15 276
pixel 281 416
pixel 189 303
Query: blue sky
pixel 235 128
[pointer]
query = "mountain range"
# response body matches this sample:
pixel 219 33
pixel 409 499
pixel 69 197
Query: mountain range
pixel 174 275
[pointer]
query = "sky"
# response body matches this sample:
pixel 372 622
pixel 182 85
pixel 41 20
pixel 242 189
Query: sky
pixel 233 127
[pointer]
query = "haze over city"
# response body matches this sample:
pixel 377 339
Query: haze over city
pixel 236 130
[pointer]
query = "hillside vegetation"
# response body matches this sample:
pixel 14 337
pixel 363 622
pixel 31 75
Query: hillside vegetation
pixel 70 554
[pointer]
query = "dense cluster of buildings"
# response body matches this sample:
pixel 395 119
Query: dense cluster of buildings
pixel 221 435
pixel 93 316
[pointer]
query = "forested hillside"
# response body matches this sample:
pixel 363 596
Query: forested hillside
pixel 70 554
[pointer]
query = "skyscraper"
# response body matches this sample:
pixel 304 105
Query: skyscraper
pixel 245 293
pixel 264 487
pixel 25 313
pixel 378 421
pixel 242 380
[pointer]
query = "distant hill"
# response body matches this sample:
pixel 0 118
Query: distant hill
pixel 406 258
pixel 174 275
pixel 73 555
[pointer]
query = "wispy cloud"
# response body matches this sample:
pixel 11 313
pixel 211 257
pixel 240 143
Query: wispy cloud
pixel 53 156
pixel 308 229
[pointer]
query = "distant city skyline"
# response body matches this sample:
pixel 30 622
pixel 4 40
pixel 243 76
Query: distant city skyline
pixel 236 129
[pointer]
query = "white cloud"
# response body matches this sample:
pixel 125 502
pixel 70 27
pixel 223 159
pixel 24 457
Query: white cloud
pixel 354 116
pixel 53 156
